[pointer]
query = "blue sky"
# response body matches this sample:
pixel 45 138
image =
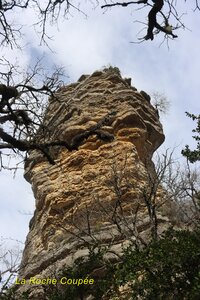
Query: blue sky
pixel 83 45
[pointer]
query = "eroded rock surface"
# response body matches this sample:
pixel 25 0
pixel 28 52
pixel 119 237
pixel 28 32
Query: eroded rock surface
pixel 92 193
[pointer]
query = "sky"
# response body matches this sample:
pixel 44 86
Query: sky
pixel 84 44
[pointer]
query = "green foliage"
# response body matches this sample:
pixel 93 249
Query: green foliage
pixel 82 268
pixel 168 268
pixel 10 294
pixel 111 69
pixel 193 155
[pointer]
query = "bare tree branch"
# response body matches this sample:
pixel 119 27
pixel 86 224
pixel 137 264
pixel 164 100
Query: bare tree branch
pixel 152 17
pixel 124 4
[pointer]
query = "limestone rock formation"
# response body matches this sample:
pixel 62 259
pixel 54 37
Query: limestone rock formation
pixel 91 194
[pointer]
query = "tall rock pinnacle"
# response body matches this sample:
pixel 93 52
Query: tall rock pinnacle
pixel 90 192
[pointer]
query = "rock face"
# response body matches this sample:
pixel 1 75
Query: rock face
pixel 91 194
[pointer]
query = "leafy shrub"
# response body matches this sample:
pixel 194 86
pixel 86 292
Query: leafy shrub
pixel 168 268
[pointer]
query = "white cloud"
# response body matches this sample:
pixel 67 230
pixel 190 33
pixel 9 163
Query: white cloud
pixel 16 202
